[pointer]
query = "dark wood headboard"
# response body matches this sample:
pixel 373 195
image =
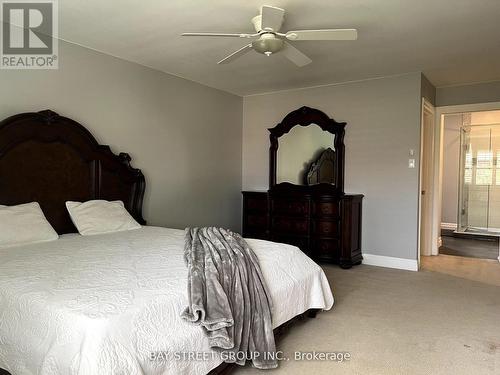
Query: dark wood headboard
pixel 51 159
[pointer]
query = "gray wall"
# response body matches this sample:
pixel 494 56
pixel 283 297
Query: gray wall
pixel 468 94
pixel 451 166
pixel 184 136
pixel 383 124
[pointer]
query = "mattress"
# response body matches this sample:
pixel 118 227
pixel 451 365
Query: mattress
pixel 111 304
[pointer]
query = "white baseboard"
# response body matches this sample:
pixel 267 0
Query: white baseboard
pixel 390 262
pixel 449 226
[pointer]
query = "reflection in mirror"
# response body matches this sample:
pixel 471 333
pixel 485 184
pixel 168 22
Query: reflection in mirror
pixel 298 150
pixel 322 171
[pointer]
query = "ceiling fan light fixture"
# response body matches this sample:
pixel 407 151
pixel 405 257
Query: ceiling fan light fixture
pixel 270 40
pixel 267 46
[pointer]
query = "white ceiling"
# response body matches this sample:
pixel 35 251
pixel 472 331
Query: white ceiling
pixel 451 41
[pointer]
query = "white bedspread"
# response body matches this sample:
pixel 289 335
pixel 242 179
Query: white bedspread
pixel 102 304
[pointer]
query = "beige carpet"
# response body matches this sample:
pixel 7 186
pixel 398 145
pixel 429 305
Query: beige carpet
pixel 399 322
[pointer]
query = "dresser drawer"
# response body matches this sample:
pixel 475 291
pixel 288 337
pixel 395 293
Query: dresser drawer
pixel 289 207
pixel 326 209
pixel 328 228
pixel 256 221
pixel 256 203
pixel 328 250
pixel 290 225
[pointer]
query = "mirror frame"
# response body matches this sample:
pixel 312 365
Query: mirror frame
pixel 306 116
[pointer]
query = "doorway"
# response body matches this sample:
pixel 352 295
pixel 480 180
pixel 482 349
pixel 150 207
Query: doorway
pixel 459 218
pixel 468 189
pixel 470 220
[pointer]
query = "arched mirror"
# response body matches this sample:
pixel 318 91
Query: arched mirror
pixel 305 156
pixel 307 149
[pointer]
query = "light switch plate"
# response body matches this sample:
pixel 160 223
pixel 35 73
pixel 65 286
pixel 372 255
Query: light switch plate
pixel 411 163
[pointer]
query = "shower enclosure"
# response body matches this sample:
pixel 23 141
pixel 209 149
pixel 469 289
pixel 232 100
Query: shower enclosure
pixel 479 186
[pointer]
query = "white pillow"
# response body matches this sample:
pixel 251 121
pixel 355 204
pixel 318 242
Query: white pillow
pixel 100 216
pixel 24 224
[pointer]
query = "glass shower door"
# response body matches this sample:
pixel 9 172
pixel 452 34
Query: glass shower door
pixel 494 192
pixel 479 188
pixel 465 173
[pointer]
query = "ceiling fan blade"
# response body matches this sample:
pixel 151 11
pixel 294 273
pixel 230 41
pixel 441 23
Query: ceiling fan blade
pixel 295 56
pixel 326 34
pixel 272 17
pixel 221 34
pixel 236 54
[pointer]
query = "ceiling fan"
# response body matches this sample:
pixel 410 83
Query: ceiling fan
pixel 268 39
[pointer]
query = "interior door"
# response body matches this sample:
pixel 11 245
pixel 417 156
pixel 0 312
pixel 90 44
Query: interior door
pixel 426 182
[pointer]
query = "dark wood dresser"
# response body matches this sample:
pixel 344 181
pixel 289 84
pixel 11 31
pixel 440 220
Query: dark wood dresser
pixel 325 226
pixel 314 214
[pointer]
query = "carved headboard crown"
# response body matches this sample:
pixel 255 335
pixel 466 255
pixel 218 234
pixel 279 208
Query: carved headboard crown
pixel 51 159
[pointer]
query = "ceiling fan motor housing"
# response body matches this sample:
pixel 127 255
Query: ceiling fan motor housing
pixel 267 44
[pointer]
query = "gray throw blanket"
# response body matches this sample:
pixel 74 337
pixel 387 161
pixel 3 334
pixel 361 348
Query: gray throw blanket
pixel 228 297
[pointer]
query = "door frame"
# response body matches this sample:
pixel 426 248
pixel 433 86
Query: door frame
pixel 438 163
pixel 427 109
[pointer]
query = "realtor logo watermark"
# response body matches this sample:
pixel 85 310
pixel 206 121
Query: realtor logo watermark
pixel 29 34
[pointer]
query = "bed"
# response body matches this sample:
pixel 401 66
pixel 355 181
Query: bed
pixel 110 303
